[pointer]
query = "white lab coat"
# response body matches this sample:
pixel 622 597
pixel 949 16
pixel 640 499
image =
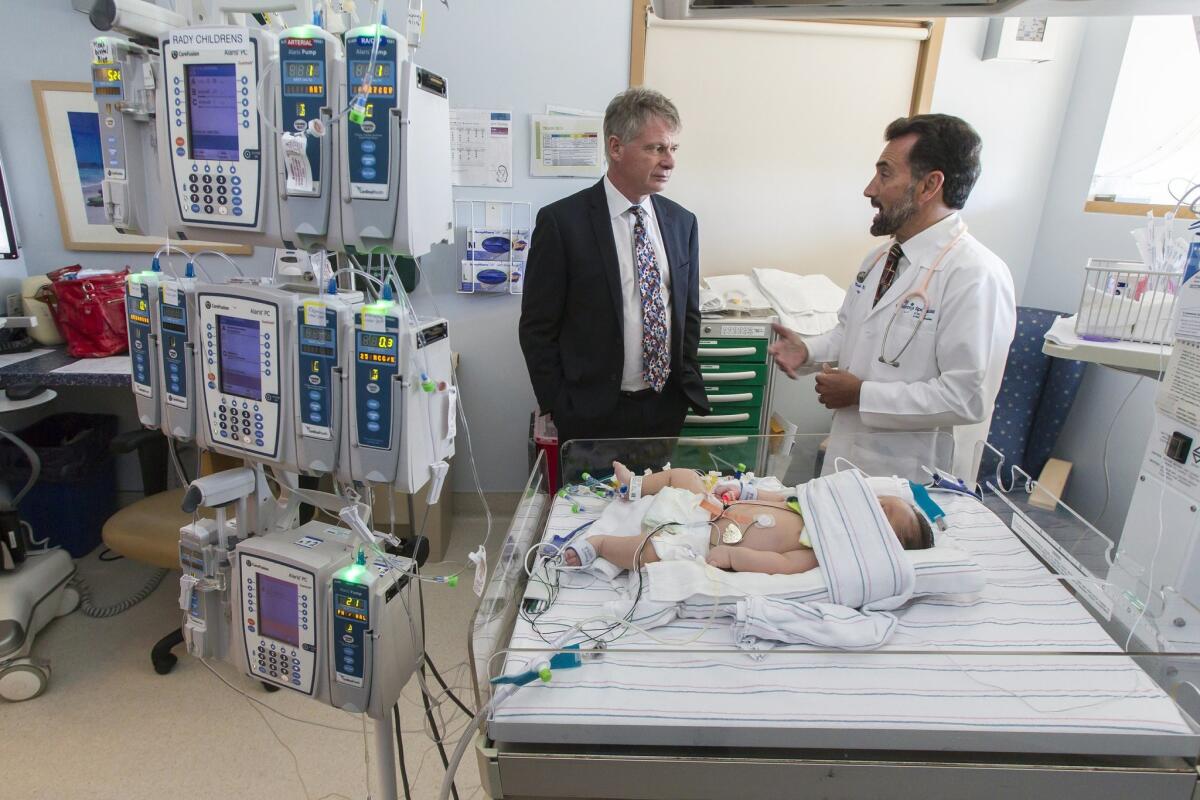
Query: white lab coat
pixel 940 398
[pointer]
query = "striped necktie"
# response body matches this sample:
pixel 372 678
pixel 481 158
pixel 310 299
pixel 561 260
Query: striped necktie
pixel 656 354
pixel 890 267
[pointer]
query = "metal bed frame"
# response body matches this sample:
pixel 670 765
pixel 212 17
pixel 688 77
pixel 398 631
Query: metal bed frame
pixel 846 763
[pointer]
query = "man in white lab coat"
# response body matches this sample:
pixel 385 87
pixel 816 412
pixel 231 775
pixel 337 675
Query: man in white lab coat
pixel 921 393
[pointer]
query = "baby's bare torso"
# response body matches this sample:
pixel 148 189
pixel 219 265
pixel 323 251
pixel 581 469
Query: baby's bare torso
pixel 784 537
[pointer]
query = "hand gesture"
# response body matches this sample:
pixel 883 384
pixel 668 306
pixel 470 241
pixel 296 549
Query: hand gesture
pixel 789 350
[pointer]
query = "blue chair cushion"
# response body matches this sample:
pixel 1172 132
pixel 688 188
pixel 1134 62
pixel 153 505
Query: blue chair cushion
pixel 1035 395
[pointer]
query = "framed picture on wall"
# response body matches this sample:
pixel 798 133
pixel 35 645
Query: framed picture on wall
pixel 71 135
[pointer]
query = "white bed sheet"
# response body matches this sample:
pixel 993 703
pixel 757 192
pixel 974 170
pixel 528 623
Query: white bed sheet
pixel 717 695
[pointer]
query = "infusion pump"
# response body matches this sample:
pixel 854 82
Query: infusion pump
pixel 218 149
pixel 316 614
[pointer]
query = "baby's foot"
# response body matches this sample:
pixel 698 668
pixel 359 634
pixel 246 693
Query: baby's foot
pixel 623 474
pixel 579 553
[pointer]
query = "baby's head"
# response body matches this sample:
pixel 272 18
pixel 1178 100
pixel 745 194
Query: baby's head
pixel 910 525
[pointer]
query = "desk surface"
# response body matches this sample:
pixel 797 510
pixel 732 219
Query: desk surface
pixel 40 369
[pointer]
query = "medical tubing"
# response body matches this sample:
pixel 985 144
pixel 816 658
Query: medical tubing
pixel 363 274
pixel 222 256
pixel 370 65
pixel 90 609
pixel 462 416
pixel 261 105
pixel 168 247
pixel 441 748
pixel 1108 438
pixel 501 694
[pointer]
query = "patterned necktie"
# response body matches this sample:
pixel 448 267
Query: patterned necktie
pixel 656 358
pixel 890 268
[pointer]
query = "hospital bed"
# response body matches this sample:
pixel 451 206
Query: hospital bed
pixel 1022 689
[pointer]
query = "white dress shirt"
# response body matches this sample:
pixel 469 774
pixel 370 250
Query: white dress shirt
pixel 619 208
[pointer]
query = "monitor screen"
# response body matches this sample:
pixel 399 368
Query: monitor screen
pixel 212 111
pixel 240 367
pixel 8 236
pixel 278 610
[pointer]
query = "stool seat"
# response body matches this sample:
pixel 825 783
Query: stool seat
pixel 148 530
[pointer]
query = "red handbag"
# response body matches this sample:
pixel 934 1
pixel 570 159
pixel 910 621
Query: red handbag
pixel 90 312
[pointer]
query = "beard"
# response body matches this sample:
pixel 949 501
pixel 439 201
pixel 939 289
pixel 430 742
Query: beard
pixel 890 220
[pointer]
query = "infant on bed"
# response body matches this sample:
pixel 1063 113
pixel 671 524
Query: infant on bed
pixel 752 530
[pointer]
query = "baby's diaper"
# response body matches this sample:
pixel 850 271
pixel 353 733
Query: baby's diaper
pixel 673 508
pixel 682 525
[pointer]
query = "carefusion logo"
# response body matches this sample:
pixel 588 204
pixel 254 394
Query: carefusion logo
pixel 219 305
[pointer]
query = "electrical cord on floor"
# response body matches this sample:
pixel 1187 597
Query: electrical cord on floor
pixel 400 751
pixel 90 609
pixel 437 676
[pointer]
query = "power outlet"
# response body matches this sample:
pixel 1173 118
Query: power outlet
pixel 13 304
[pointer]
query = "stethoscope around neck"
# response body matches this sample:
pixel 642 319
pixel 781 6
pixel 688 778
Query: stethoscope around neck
pixel 919 294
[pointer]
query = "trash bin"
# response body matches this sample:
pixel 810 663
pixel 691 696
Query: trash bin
pixel 76 490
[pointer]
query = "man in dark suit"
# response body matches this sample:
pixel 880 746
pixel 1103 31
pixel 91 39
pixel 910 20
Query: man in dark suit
pixel 610 317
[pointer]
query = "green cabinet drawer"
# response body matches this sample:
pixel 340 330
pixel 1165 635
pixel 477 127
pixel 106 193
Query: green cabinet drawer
pixel 719 449
pixel 732 372
pixel 731 395
pixel 740 418
pixel 746 351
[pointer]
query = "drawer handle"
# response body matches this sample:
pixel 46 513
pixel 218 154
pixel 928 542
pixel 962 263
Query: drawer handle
pixel 726 351
pixel 730 398
pixel 714 377
pixel 716 419
pixel 708 441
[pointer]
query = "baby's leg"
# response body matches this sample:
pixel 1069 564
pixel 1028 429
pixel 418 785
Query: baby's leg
pixel 620 550
pixel 745 559
pixel 678 478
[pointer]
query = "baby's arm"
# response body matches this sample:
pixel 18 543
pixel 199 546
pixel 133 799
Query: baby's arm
pixel 743 559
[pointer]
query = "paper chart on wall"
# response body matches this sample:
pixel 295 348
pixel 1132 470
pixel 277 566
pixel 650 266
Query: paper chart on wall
pixel 481 150
pixel 566 147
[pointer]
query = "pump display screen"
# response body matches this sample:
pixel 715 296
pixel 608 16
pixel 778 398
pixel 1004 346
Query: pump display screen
pixel 212 111
pixel 318 334
pixel 277 605
pixel 106 80
pixel 240 365
pixel 381 70
pixel 303 78
pixel 350 608
pixel 376 348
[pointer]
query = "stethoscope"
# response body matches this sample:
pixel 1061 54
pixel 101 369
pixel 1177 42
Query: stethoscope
pixel 919 294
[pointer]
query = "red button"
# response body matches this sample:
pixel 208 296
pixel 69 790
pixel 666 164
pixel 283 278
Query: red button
pixel 179 141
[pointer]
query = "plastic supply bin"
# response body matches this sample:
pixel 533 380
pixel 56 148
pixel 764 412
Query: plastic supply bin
pixel 543 436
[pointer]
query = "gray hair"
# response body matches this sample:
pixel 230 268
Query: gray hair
pixel 629 111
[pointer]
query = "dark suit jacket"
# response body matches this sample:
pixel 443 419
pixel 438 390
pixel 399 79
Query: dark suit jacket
pixel 571 312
